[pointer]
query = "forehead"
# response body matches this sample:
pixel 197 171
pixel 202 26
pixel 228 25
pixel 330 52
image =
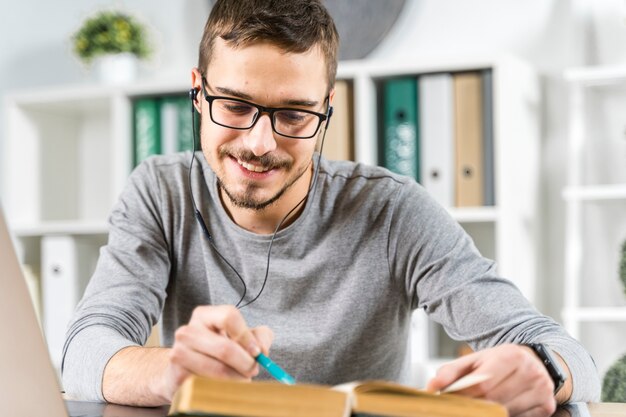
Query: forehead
pixel 268 73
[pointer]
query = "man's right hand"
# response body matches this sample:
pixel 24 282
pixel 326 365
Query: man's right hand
pixel 216 343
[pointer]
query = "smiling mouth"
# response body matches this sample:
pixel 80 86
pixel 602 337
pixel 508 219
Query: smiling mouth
pixel 253 168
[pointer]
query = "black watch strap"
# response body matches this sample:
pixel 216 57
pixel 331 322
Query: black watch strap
pixel 551 363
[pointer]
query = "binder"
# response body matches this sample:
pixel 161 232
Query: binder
pixel 488 146
pixel 147 128
pixel 66 265
pixel 436 122
pixel 339 141
pixel 468 133
pixel 400 146
pixel 184 135
pixel 169 125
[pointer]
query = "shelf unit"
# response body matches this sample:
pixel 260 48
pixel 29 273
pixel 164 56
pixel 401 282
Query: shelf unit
pixel 595 198
pixel 68 154
pixel 512 222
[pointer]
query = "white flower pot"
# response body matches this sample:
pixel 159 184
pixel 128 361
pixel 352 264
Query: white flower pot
pixel 116 68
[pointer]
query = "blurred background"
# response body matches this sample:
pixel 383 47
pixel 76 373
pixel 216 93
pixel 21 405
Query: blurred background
pixel 551 36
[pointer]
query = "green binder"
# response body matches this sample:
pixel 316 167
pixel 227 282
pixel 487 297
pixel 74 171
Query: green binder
pixel 185 130
pixel 400 147
pixel 147 128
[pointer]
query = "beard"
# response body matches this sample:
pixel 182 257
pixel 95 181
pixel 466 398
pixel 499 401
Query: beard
pixel 249 198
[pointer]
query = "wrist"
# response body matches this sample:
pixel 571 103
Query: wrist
pixel 557 370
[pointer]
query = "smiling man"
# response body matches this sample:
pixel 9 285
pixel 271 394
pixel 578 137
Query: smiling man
pixel 258 242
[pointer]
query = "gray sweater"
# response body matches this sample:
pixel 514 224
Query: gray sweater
pixel 369 248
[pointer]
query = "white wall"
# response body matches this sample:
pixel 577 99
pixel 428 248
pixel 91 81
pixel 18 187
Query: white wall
pixel 551 34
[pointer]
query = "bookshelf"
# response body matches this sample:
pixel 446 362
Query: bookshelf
pixel 595 199
pixel 68 152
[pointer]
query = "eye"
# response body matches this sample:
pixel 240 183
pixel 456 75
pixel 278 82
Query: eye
pixel 235 107
pixel 292 116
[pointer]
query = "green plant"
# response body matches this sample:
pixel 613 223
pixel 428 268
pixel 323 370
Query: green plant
pixel 614 383
pixel 110 32
pixel 622 266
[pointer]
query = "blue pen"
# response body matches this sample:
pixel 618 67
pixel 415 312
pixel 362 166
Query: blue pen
pixel 276 371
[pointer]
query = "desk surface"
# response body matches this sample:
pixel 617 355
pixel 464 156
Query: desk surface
pixel 89 409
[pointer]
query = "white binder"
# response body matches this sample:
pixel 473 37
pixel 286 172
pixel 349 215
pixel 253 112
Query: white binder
pixel 436 123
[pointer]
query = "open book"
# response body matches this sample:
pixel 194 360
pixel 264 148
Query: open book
pixel 212 397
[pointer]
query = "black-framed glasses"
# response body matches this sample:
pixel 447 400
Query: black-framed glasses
pixel 240 114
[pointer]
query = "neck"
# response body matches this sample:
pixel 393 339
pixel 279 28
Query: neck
pixel 265 221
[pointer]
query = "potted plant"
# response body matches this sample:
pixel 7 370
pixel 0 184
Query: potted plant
pixel 614 382
pixel 112 42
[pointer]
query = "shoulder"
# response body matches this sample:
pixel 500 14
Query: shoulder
pixel 164 170
pixel 353 177
pixel 168 164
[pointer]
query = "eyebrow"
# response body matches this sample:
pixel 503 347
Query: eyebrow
pixel 244 96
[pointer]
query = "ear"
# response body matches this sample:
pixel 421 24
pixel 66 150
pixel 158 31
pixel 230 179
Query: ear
pixel 331 96
pixel 196 84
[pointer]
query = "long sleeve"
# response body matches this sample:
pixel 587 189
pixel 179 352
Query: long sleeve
pixel 445 275
pixel 125 295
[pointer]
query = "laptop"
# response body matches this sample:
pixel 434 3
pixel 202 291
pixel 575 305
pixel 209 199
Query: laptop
pixel 28 382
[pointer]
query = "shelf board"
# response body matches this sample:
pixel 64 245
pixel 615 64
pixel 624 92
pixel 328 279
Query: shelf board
pixel 474 214
pixel 595 313
pixel 599 75
pixel 83 94
pixel 595 192
pixel 70 227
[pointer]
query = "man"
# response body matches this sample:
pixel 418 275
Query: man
pixel 325 260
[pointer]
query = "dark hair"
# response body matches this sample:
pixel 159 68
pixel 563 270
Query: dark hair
pixel 292 25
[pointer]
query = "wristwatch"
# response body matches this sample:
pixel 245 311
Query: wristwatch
pixel 551 363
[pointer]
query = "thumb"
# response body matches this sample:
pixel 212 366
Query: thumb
pixel 451 372
pixel 264 336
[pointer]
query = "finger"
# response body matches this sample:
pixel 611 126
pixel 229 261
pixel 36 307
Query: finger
pixel 452 371
pixel 211 345
pixel 228 320
pixel 195 362
pixel 264 337
pixel 537 400
pixel 492 388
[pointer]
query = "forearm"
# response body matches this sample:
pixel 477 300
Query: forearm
pixel 136 376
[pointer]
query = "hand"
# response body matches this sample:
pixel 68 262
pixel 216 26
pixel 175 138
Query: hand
pixel 519 380
pixel 215 343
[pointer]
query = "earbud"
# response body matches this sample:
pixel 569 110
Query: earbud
pixel 193 93
pixel 330 114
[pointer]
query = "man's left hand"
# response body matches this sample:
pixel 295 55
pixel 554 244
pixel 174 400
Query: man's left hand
pixel 518 379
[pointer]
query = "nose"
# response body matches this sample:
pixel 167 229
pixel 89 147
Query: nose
pixel 260 138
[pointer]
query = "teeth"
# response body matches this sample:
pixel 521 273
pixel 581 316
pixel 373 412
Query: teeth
pixel 251 167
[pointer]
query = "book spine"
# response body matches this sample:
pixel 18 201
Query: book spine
pixel 488 154
pixel 436 123
pixel 468 139
pixel 147 128
pixel 339 140
pixel 400 142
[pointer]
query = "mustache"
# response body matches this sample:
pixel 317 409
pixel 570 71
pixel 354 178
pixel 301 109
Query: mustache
pixel 269 161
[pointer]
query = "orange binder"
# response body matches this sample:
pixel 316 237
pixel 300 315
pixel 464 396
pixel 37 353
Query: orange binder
pixel 468 133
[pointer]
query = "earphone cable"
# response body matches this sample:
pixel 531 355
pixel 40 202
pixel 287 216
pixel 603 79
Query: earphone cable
pixel 205 230
pixel 269 250
pixel 198 215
